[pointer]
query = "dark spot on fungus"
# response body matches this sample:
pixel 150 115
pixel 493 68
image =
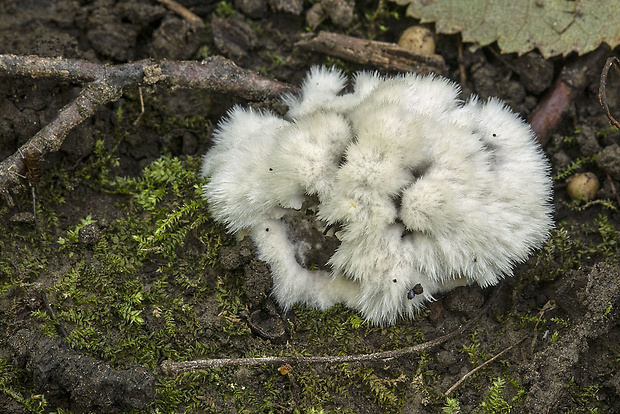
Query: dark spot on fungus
pixel 267 229
pixel 270 169
pixel 394 280
pixel 417 290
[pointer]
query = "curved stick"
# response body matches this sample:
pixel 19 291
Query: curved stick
pixel 602 89
pixel 573 79
pixel 105 83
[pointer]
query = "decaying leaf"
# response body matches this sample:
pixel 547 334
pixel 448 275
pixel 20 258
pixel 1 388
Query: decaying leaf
pixel 553 26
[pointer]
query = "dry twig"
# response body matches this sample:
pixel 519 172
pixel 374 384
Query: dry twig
pixel 573 79
pixel 602 90
pixel 488 361
pixel 550 305
pixel 172 368
pixel 181 11
pixel 388 56
pixel 105 83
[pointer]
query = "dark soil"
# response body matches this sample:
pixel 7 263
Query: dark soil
pixel 87 313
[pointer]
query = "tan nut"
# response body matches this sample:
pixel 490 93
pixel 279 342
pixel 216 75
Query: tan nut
pixel 583 186
pixel 418 39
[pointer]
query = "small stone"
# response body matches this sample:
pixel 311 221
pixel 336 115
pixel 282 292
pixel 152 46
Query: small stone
pixel 609 160
pixel 254 9
pixel 315 16
pixel 561 160
pixel 176 38
pixel 340 12
pixel 233 36
pixel 141 14
pixel 535 72
pixel 113 40
pixel 267 324
pixel 588 144
pixel 287 6
pixel 512 91
pixel 89 234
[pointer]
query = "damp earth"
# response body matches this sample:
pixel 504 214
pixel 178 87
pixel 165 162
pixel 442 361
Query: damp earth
pixel 120 267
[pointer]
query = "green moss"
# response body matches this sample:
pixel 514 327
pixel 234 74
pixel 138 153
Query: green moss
pixel 573 167
pixel 376 20
pixel 572 246
pixel 452 406
pixel 494 402
pixel 583 399
pixel 9 376
pixel 384 390
pixel 474 351
pixel 224 9
pixel 170 196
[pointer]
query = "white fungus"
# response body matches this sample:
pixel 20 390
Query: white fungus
pixel 381 197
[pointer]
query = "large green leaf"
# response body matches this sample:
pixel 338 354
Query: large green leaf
pixel 553 26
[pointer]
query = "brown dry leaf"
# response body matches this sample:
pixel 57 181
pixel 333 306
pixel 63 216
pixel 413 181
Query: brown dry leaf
pixel 553 26
pixel 285 369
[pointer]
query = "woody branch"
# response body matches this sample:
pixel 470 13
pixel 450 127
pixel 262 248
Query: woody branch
pixel 105 83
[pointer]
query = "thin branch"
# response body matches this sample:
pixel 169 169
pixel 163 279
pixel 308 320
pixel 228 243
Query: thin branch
pixel 172 368
pixel 550 305
pixel 105 83
pixel 473 371
pixel 571 82
pixel 181 11
pixel 602 89
pixel 216 73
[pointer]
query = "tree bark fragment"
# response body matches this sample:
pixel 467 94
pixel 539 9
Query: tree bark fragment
pixel 384 55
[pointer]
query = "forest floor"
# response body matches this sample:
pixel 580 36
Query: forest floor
pixel 122 268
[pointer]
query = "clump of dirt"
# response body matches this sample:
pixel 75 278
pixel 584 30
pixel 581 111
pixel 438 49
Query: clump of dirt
pixel 63 373
pixel 587 298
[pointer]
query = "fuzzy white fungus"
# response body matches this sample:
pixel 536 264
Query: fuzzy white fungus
pixel 382 197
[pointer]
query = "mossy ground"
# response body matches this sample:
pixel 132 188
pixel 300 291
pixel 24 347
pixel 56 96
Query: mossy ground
pixel 149 288
pixel 123 260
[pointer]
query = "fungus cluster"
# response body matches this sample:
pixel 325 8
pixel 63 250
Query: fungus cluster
pixel 380 197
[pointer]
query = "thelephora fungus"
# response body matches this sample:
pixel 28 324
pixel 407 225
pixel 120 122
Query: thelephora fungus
pixel 381 197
